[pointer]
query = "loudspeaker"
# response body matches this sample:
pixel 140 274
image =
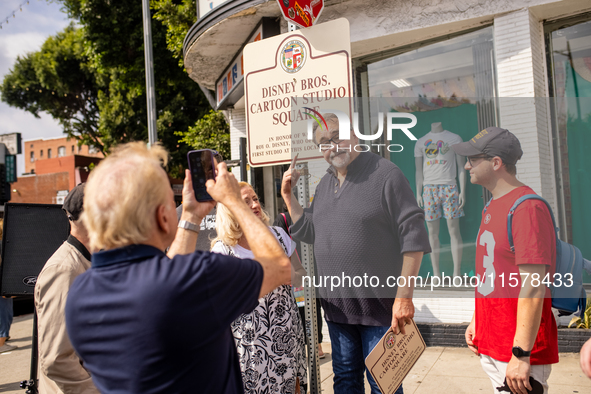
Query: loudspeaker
pixel 32 233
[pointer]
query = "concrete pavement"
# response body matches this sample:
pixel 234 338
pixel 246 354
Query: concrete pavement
pixel 439 370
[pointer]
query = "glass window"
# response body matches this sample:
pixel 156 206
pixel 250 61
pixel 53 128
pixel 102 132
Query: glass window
pixel 41 153
pixel 32 157
pixel 449 86
pixel 72 149
pixel 571 81
pixel 61 151
pixel 49 153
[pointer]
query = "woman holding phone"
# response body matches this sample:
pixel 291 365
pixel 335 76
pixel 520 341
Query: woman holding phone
pixel 270 339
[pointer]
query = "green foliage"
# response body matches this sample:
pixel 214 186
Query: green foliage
pixel 92 78
pixel 178 19
pixel 210 132
pixel 585 320
pixel 59 80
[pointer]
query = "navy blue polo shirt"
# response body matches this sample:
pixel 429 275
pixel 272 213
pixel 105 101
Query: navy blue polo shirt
pixel 144 323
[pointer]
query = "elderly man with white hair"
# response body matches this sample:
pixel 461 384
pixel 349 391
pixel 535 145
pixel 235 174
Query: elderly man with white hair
pixel 144 321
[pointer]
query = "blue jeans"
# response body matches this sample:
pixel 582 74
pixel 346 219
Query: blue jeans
pixel 5 316
pixel 351 343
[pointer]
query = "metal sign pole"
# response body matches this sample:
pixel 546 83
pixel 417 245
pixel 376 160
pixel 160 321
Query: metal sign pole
pixel 150 90
pixel 309 293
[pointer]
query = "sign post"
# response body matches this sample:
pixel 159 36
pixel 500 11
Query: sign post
pixel 303 13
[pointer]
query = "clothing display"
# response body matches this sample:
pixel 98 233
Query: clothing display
pixel 60 369
pixel 441 200
pixel 145 323
pixel 270 339
pixel 497 295
pixel 439 160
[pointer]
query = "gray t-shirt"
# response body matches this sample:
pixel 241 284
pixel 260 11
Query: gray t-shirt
pixel 362 228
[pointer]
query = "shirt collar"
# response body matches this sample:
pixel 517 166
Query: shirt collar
pixel 79 245
pixel 356 165
pixel 126 254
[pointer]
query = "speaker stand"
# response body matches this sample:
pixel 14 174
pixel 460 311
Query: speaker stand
pixel 31 384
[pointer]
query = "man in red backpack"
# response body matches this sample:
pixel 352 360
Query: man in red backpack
pixel 513 328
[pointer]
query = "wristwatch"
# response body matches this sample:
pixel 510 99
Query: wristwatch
pixel 519 352
pixel 189 226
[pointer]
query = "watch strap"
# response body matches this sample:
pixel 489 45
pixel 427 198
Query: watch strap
pixel 519 352
pixel 189 226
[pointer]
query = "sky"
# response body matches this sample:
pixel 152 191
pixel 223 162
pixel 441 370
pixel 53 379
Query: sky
pixel 25 33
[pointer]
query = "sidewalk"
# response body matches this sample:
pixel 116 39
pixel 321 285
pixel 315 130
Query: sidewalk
pixel 439 370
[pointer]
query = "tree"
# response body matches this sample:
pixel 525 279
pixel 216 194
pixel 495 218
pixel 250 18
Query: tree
pixel 109 62
pixel 113 33
pixel 178 19
pixel 58 80
pixel 210 132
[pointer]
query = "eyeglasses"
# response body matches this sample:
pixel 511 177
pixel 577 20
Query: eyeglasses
pixel 334 140
pixel 477 158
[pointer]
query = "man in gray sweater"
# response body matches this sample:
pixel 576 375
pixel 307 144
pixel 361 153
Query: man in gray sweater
pixel 364 222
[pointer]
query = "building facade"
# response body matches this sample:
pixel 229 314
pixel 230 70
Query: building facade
pixel 52 168
pixel 42 149
pixel 524 65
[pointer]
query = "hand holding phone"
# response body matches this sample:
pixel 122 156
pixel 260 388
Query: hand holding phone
pixel 202 167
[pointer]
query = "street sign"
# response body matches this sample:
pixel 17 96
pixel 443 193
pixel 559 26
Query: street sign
pixel 303 13
pixel 10 162
pixel 286 79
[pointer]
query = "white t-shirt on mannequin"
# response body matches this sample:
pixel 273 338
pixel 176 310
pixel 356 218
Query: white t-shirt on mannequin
pixel 439 160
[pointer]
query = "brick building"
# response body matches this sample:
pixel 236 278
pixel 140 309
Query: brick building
pixel 52 168
pixel 49 179
pixel 41 149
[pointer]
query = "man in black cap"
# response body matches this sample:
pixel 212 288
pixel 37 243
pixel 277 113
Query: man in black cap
pixel 513 328
pixel 61 371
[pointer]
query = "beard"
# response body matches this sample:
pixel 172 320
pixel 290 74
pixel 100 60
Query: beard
pixel 340 160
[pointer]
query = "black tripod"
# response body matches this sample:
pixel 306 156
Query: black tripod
pixel 31 384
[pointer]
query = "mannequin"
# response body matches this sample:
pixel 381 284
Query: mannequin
pixel 437 167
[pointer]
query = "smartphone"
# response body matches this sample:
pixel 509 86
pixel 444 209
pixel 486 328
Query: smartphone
pixel 202 167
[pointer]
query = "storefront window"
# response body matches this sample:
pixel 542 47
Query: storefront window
pixel 449 87
pixel 570 69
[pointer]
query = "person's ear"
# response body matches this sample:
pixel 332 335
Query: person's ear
pixel 162 221
pixel 497 163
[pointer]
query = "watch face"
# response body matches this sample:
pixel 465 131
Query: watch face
pixel 519 352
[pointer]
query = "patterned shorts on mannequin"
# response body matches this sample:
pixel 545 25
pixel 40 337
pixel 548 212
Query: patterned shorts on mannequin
pixel 438 199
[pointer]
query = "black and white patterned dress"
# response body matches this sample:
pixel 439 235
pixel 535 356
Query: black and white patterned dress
pixel 270 339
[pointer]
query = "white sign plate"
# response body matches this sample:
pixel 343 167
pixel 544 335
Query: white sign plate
pixel 308 68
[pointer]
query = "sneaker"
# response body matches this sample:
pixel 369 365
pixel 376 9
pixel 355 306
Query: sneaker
pixel 7 348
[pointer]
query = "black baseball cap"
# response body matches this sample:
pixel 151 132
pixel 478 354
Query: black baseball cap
pixel 492 141
pixel 74 202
